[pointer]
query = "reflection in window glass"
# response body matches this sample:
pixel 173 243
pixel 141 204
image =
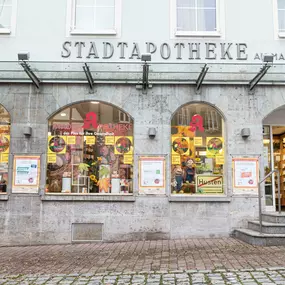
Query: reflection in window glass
pixel 197 151
pixel 4 148
pixel 90 150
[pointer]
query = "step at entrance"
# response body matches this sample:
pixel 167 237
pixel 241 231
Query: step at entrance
pixel 273 231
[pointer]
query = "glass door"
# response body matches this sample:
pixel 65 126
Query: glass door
pixel 269 164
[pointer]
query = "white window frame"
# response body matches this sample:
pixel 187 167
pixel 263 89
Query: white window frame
pixel 12 30
pixel 219 22
pixel 276 20
pixel 71 21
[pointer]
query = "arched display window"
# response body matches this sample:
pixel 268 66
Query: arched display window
pixel 197 150
pixel 5 123
pixel 90 150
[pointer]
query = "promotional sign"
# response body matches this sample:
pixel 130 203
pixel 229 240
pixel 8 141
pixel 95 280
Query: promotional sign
pixel 109 140
pixel 245 173
pixel 214 146
pixel 128 159
pixel 124 145
pixel 152 175
pixel 212 184
pixel 180 145
pixel 71 140
pixel 26 174
pixel 175 159
pixel 198 141
pixel 57 144
pixel 90 140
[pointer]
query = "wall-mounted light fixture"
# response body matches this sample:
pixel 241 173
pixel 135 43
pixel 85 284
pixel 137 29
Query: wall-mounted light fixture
pixel 27 131
pixel 145 84
pixel 151 133
pixel 245 133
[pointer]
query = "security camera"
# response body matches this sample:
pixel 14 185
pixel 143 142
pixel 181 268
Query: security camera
pixel 151 133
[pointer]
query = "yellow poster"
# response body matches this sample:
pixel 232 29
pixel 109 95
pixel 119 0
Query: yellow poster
pixel 198 141
pixel 109 140
pixel 220 159
pixel 128 159
pixel 124 145
pixel 51 158
pixel 71 139
pixel 4 143
pixel 175 159
pixel 214 146
pixel 90 140
pixel 57 144
pixel 180 146
pixel 4 157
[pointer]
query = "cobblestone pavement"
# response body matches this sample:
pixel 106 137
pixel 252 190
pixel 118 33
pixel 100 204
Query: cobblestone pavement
pixel 187 261
pixel 195 277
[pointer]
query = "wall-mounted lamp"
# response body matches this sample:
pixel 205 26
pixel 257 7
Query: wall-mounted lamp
pixel 23 56
pixel 245 133
pixel 151 133
pixel 268 58
pixel 27 131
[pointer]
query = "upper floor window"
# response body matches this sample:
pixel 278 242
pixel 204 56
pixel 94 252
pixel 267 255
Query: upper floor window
pixel 6 15
pixel 281 16
pixel 196 17
pixel 95 16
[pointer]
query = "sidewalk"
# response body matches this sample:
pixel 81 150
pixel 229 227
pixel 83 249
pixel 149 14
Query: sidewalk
pixel 141 259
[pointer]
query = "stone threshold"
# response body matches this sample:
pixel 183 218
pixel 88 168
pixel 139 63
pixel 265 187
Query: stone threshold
pixel 88 197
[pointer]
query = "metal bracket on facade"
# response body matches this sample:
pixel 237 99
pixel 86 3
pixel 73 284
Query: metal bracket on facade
pixel 145 83
pixel 88 75
pixel 201 77
pixel 31 74
pixel 258 76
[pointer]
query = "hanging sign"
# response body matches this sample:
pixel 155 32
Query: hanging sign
pixel 245 173
pixel 152 175
pixel 26 174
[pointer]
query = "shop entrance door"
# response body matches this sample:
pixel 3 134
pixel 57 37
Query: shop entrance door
pixel 274 158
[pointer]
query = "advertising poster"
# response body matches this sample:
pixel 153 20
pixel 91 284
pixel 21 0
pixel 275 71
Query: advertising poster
pixel 26 174
pixel 245 173
pixel 209 184
pixel 90 140
pixel 175 159
pixel 71 140
pixel 152 175
pixel 198 141
pixel 128 159
pixel 180 146
pixel 214 146
pixel 4 143
pixel 124 145
pixel 57 144
pixel 109 140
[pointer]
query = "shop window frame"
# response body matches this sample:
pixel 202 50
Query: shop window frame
pixel 115 197
pixel 196 197
pixel 72 30
pixel 12 29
